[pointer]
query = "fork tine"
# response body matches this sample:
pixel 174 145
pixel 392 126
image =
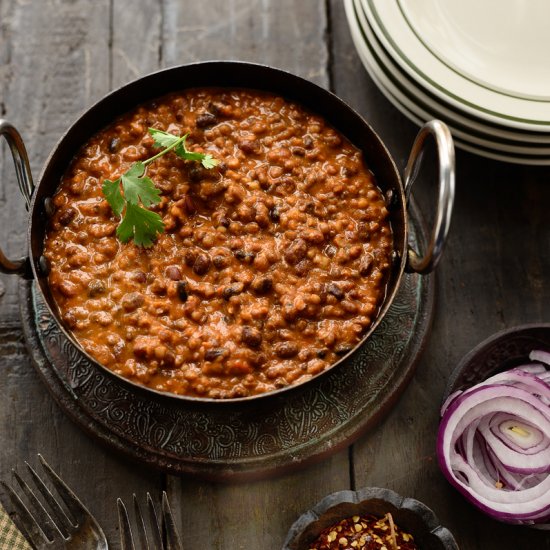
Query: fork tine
pixel 126 540
pixel 41 515
pixel 141 533
pixel 173 541
pixel 77 509
pixel 36 536
pixel 60 519
pixel 154 523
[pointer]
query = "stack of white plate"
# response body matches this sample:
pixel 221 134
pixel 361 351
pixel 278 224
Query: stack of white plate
pixel 482 66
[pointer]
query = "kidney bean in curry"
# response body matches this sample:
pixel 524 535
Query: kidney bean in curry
pixel 271 267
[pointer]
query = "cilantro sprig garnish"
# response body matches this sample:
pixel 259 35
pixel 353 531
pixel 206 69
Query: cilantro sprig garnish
pixel 131 195
pixel 164 139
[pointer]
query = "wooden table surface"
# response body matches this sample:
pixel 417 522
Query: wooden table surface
pixel 59 56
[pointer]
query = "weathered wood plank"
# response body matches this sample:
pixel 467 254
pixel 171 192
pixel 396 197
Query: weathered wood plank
pixel 6 171
pixel 252 515
pixel 56 60
pixel 491 277
pixel 136 39
pixel 289 34
pixel 57 57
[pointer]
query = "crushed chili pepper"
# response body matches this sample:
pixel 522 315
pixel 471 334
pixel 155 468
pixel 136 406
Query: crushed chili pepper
pixel 364 533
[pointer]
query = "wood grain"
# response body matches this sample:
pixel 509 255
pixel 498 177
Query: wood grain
pixel 289 34
pixel 54 50
pixel 136 36
pixel 252 515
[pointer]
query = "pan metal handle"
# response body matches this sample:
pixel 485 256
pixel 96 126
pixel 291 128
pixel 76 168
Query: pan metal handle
pixel 427 261
pixel 24 179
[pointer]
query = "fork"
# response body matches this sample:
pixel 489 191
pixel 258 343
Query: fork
pixel 173 541
pixel 54 529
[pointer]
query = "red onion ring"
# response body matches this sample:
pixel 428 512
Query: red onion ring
pixel 494 444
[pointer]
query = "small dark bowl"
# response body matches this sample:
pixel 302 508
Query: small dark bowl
pixel 409 514
pixel 502 351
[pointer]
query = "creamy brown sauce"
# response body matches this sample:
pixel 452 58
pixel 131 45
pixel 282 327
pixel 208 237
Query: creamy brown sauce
pixel 272 265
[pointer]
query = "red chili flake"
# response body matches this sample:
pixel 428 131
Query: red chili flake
pixel 364 533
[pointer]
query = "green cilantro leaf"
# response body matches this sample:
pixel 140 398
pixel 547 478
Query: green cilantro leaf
pixel 189 155
pixel 181 150
pixel 163 139
pixel 138 187
pixel 111 190
pixel 209 161
pixel 140 192
pixel 140 224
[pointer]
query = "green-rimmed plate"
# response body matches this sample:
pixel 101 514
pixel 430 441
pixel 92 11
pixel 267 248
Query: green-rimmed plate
pixel 400 93
pixel 503 47
pixel 492 132
pixel 404 46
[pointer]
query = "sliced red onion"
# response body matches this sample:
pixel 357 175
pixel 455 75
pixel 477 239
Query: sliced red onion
pixel 519 378
pixel 522 437
pixel 449 400
pixel 533 368
pixel 508 479
pixel 494 444
pixel 512 457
